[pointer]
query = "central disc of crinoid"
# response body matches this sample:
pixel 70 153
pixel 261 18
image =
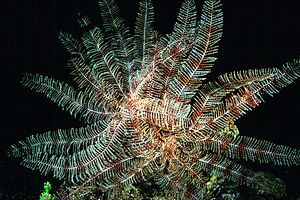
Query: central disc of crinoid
pixel 164 115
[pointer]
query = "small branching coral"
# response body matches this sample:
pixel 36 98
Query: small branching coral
pixel 45 194
pixel 149 112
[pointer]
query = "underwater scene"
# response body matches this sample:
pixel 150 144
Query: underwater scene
pixel 150 100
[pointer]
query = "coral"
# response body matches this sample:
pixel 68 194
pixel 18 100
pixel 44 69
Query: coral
pixel 45 194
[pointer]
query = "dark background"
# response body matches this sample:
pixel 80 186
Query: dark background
pixel 257 34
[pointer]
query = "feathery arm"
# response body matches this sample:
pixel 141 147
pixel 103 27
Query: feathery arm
pixel 232 104
pixel 122 42
pixel 200 60
pixel 77 103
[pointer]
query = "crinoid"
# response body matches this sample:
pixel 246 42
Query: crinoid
pixel 149 111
